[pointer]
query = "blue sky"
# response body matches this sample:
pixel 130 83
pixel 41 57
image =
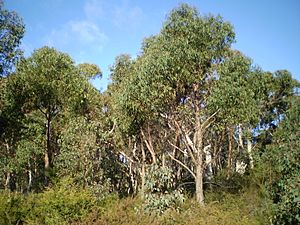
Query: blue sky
pixel 96 31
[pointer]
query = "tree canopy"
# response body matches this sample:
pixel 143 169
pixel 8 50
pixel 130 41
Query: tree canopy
pixel 189 117
pixel 11 32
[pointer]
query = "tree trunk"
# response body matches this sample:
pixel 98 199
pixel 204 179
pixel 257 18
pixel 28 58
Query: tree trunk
pixel 199 152
pixel 29 178
pixel 249 150
pixel 229 160
pixel 133 183
pixel 208 162
pixel 199 184
pixel 148 141
pixel 143 172
pixel 7 181
pixel 47 152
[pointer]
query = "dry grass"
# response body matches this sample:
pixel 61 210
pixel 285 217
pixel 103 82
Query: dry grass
pixel 223 209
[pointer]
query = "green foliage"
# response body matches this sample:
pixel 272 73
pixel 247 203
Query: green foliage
pixel 66 204
pixel 182 94
pixel 121 68
pixel 60 205
pixel 244 209
pixel 80 156
pixel 280 163
pixel 45 81
pixel 45 91
pixel 172 63
pixel 272 92
pixel 232 93
pixel 286 195
pixel 89 71
pixel 180 57
pixel 11 32
pixel 13 208
pixel 160 192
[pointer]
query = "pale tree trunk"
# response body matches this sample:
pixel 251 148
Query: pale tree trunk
pixel 240 132
pixel 7 181
pixel 133 169
pixel 47 152
pixel 199 152
pixel 148 141
pixel 132 180
pixel 229 160
pixel 143 172
pixel 29 177
pixel 249 150
pixel 163 160
pixel 195 150
pixel 208 162
pixel 199 184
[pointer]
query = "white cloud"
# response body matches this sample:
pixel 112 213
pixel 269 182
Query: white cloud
pixel 94 9
pixel 122 14
pixel 88 32
pixel 85 37
pixel 77 37
pixel 125 16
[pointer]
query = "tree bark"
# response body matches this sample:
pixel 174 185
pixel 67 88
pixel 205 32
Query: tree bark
pixel 199 152
pixel 143 172
pixel 7 181
pixel 199 184
pixel 249 150
pixel 229 160
pixel 208 162
pixel 149 145
pixel 47 152
pixel 29 178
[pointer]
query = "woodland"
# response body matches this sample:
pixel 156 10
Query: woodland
pixel 190 131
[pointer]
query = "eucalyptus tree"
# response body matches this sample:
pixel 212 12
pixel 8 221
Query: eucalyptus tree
pixel 173 78
pixel 272 91
pixel 127 120
pixel 10 133
pixel 46 85
pixel 234 96
pixel 11 32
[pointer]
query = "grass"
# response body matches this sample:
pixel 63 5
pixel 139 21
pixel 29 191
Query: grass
pixel 246 208
pixel 66 205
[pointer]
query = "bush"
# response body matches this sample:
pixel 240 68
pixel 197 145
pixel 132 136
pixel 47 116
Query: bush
pixel 13 208
pixel 161 194
pixel 244 209
pixel 281 163
pixel 287 201
pixel 60 205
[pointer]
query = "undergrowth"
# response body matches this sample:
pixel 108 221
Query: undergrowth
pixel 66 204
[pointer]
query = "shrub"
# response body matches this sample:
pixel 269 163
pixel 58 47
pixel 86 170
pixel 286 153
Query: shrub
pixel 13 208
pixel 60 205
pixel 161 193
pixel 281 161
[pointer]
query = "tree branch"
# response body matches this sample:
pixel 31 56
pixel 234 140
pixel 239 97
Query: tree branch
pixel 183 152
pixel 112 129
pixel 207 122
pixel 189 144
pixel 183 165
